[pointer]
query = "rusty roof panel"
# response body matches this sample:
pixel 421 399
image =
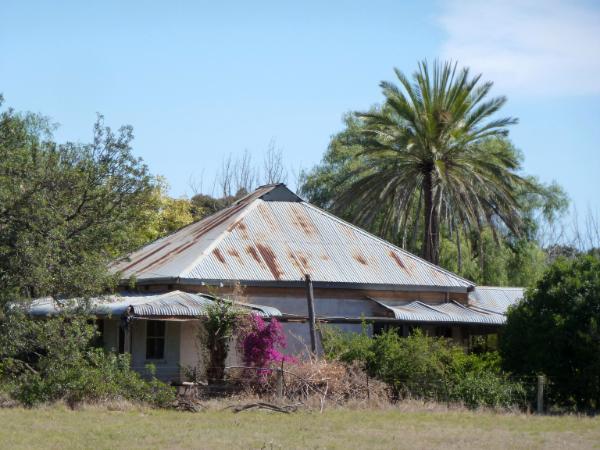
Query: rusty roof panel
pixel 266 239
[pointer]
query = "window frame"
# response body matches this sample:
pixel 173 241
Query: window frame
pixel 152 339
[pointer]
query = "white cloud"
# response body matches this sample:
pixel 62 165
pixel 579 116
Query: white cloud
pixel 547 47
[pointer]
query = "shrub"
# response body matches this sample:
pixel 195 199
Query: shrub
pixel 346 347
pixel 427 368
pixel 221 321
pixel 555 331
pixel 54 359
pixel 261 343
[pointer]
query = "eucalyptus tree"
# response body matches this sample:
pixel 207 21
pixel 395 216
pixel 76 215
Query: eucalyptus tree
pixel 430 151
pixel 66 210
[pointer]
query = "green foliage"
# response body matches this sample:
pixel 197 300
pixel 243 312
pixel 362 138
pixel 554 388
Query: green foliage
pixel 204 205
pixel 373 175
pixel 434 146
pixel 67 209
pixel 429 368
pixel 54 359
pixel 555 331
pixel 346 347
pixel 164 215
pixel 220 323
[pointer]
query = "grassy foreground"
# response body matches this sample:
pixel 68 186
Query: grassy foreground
pixel 58 427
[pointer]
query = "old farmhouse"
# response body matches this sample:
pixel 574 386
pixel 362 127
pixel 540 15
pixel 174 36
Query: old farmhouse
pixel 268 242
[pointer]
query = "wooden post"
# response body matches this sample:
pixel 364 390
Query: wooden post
pixel 540 394
pixel 311 314
pixel 125 325
pixel 280 384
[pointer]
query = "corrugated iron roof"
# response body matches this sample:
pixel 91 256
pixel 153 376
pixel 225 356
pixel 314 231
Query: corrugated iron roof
pixel 451 312
pixel 495 299
pixel 169 304
pixel 272 235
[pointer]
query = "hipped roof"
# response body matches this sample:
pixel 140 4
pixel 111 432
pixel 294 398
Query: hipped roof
pixel 273 237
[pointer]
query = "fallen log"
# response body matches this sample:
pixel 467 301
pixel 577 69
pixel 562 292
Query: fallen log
pixel 261 405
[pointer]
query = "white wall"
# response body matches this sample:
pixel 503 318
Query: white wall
pixel 167 368
pixel 110 336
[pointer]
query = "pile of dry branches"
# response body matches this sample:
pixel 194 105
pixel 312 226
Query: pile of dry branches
pixel 317 383
pixel 333 382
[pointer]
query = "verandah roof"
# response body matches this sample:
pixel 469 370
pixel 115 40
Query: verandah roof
pixel 169 304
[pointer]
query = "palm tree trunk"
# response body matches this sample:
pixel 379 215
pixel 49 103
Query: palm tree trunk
pixel 431 242
pixel 413 242
pixel 458 247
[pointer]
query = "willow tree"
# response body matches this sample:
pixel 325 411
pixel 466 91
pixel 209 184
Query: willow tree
pixel 426 152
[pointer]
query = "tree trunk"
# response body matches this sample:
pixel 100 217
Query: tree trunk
pixel 431 238
pixel 459 249
pixel 459 252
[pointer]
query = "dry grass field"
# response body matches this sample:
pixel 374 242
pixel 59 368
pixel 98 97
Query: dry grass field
pixel 101 428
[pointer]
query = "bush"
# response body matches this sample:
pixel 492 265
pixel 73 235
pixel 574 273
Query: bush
pixel 221 322
pixel 427 368
pixel 261 344
pixel 54 359
pixel 555 331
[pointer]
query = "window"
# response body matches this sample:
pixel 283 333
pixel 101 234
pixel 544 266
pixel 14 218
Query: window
pixel 121 339
pixel 445 332
pixel 155 339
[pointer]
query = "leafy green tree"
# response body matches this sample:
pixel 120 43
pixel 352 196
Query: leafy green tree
pixel 424 147
pixel 555 331
pixel 485 250
pixel 67 209
pixel 164 215
pixel 204 205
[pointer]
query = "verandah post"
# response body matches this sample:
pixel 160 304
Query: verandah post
pixel 311 314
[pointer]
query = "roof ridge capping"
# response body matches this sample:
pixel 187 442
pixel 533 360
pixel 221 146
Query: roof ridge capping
pixel 275 192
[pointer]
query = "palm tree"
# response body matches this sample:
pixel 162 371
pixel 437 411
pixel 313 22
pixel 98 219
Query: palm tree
pixel 427 152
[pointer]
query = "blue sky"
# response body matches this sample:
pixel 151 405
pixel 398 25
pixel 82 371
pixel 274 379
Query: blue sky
pixel 200 80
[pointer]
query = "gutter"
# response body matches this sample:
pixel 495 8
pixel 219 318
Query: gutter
pixel 300 284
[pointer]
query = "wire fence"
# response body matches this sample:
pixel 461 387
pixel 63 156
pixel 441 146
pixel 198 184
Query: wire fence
pixel 529 393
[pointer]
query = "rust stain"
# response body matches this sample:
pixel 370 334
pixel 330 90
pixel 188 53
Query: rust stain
pixel 325 257
pixel 183 248
pixel 361 259
pixel 233 252
pixel 268 217
pixel 219 255
pixel 295 262
pixel 241 226
pixel 252 252
pixel 303 260
pixel 398 261
pixel 141 258
pixel 300 261
pixel 270 260
pixel 157 262
pixel 216 219
pixel 303 222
